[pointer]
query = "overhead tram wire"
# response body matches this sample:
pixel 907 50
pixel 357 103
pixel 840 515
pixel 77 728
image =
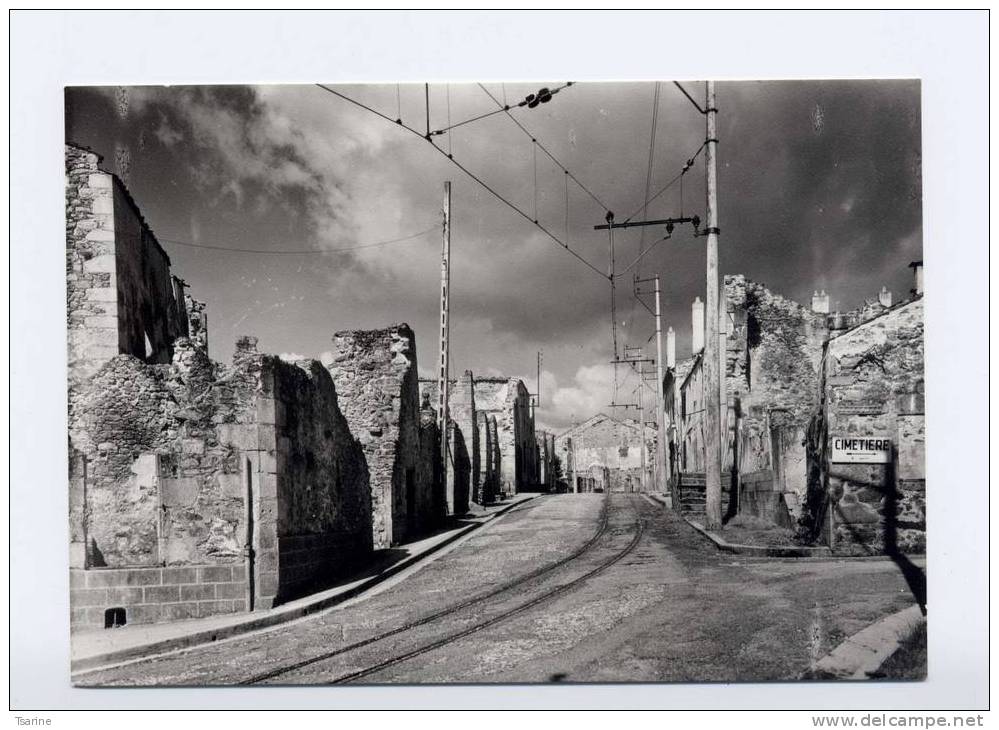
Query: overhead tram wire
pixel 468 172
pixel 673 181
pixel 544 149
pixel 503 108
pixel 648 187
pixel 689 97
pixel 298 252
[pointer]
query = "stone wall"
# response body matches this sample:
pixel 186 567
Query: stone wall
pixel 507 401
pixel 195 464
pixel 772 348
pixel 121 297
pixel 158 485
pixel 773 353
pixel 430 471
pixel 309 460
pixel 872 386
pixel 375 373
pixel 461 403
pixel 488 457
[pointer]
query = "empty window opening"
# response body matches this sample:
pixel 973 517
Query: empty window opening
pixel 114 617
pixel 149 346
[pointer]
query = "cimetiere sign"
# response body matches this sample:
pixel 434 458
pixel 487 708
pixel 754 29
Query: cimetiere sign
pixel 861 450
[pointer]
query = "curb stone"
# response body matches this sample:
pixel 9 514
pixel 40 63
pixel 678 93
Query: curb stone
pixel 274 617
pixel 860 656
pixel 775 551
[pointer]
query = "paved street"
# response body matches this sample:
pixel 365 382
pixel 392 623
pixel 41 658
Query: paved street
pixel 575 588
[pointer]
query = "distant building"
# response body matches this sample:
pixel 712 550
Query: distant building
pixel 604 453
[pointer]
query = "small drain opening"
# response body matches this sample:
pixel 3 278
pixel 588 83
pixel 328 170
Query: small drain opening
pixel 114 617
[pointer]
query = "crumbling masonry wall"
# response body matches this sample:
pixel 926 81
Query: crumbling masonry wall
pixel 489 457
pixel 468 479
pixel 872 386
pixel 430 469
pixel 772 363
pixel 121 297
pixel 375 373
pixel 246 476
pixel 508 402
pixel 308 459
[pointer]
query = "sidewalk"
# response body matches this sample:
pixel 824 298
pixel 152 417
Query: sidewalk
pixel 101 647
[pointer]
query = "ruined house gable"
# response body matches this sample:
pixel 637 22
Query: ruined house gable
pixel 121 297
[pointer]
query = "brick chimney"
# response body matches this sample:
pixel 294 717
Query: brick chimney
pixel 917 275
pixel 820 302
pixel 670 348
pixel 697 326
pixel 884 297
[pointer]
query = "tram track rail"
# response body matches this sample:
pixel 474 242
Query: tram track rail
pixel 510 613
pixel 409 626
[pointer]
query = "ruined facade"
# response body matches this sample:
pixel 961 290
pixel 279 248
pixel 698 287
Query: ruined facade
pixel 608 453
pixel 546 458
pixel 508 401
pixel 375 373
pixel 198 488
pixel 121 297
pixel 494 445
pixel 779 398
pixel 872 387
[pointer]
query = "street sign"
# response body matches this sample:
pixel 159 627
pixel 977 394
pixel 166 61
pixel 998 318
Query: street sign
pixel 861 450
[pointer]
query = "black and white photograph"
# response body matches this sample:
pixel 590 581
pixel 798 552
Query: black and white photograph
pixel 479 379
pixel 496 382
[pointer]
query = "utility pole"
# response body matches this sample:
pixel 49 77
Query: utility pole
pixel 660 402
pixel 641 433
pixel 537 394
pixel 443 417
pixel 710 362
pixel 572 456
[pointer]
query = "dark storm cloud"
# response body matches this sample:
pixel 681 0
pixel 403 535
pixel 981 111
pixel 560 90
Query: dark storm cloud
pixel 819 187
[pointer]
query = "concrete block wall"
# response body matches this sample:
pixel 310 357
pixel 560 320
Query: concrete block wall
pixel 155 594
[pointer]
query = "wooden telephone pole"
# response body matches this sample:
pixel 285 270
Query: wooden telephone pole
pixel 443 417
pixel 710 363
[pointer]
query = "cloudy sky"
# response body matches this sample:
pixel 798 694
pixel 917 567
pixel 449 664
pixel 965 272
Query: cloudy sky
pixel 819 188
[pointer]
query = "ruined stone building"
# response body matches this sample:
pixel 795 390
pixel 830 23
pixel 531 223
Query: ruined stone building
pixel 200 488
pixel 775 381
pixel 375 373
pixel 493 446
pixel 871 389
pixel 546 458
pixel 605 454
pixel 508 401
